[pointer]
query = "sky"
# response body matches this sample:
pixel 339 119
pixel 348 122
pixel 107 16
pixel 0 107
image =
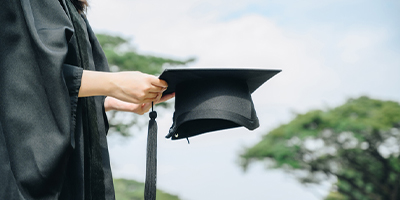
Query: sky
pixel 328 51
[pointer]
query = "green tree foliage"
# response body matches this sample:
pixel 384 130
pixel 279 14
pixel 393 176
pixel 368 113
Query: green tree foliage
pixel 132 190
pixel 334 195
pixel 358 143
pixel 122 56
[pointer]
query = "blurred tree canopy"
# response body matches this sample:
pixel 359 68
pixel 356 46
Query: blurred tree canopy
pixel 358 143
pixel 132 190
pixel 122 56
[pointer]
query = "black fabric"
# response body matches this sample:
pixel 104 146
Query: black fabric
pixel 211 105
pixel 212 99
pixel 94 186
pixel 45 143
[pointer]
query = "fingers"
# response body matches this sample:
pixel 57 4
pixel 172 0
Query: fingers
pixel 152 95
pixel 145 107
pixel 158 86
pixel 160 98
pixel 157 89
pixel 166 97
pixel 159 83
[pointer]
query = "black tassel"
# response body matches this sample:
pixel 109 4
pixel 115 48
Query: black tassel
pixel 151 160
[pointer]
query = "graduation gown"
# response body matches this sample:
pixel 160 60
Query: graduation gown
pixel 52 143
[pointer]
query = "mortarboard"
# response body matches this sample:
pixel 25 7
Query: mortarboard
pixel 211 99
pixel 206 100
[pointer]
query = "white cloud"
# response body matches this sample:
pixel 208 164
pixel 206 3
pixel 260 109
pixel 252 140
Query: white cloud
pixel 355 43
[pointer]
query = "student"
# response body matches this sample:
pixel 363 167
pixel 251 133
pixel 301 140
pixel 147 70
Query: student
pixel 54 90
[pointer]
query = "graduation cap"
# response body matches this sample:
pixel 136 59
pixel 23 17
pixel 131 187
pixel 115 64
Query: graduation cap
pixel 211 99
pixel 206 100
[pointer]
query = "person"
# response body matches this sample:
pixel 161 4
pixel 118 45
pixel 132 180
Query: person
pixel 55 88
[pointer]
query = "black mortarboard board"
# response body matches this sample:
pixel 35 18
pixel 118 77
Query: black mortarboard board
pixel 207 99
pixel 211 99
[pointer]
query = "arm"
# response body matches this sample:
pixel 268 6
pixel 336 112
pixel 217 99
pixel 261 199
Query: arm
pixel 131 91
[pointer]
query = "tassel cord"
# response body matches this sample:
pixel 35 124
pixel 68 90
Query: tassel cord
pixel 151 160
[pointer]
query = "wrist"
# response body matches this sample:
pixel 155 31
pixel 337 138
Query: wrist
pixel 109 84
pixel 95 83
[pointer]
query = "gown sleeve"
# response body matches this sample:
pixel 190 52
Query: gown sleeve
pixel 36 107
pixel 72 75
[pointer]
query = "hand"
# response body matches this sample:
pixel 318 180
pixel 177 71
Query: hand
pixel 137 87
pixel 112 103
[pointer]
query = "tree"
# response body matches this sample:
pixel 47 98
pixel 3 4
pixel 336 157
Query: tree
pixel 132 190
pixel 121 56
pixel 358 143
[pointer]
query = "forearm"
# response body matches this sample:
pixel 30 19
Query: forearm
pixel 96 83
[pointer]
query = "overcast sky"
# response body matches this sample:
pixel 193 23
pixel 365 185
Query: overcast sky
pixel 329 51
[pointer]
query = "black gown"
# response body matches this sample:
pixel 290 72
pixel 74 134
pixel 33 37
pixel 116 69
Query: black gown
pixel 52 143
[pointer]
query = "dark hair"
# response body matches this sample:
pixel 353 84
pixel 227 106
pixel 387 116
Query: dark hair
pixel 80 5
